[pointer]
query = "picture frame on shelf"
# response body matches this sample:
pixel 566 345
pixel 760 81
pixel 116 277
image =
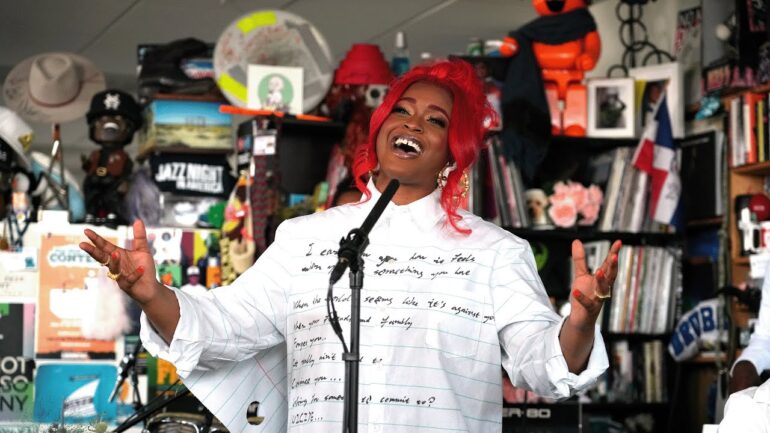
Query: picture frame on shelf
pixel 277 88
pixel 651 82
pixel 611 108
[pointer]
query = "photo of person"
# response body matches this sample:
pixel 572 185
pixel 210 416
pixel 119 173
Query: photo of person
pixel 610 108
pixel 653 91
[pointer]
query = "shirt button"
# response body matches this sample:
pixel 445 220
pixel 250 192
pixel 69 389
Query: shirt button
pixel 377 428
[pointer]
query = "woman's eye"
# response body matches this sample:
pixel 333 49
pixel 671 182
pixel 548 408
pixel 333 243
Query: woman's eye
pixel 438 121
pixel 400 110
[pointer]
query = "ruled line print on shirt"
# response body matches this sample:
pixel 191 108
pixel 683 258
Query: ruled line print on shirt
pixel 453 310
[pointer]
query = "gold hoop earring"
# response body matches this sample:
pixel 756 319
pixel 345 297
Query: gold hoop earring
pixel 443 175
pixel 465 185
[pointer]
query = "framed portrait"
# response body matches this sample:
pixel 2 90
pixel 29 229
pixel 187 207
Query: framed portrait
pixel 611 107
pixel 651 83
pixel 276 88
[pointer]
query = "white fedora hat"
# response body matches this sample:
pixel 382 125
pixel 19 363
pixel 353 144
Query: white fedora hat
pixel 52 87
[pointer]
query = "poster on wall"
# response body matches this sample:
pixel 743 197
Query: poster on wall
pixel 17 324
pixel 74 393
pixel 162 379
pixel 64 270
pixel 18 275
pixel 276 88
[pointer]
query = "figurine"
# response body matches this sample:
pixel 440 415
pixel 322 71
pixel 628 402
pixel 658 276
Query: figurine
pixel 21 209
pixel 566 45
pixel 113 118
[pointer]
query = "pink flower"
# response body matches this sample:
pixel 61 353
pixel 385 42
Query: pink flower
pixel 572 198
pixel 595 195
pixel 578 193
pixel 590 213
pixel 563 213
pixel 560 193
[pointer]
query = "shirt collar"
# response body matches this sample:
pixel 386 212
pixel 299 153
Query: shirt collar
pixel 425 212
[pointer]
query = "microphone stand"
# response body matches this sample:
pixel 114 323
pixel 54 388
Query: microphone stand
pixel 352 357
pixel 350 255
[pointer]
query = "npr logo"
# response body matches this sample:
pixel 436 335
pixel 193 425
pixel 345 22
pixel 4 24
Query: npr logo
pixel 529 413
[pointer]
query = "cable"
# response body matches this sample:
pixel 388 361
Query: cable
pixel 334 320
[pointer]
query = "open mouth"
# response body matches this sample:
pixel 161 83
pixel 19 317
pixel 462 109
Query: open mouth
pixel 555 6
pixel 407 147
pixel 111 126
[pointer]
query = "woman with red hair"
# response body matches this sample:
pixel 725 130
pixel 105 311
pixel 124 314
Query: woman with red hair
pixel 448 297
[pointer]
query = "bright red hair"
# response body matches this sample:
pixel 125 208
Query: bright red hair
pixel 466 125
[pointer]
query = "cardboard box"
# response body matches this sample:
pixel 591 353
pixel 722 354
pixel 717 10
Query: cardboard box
pixel 180 124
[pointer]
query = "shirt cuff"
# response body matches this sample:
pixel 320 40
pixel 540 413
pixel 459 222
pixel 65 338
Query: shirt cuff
pixel 185 348
pixel 565 382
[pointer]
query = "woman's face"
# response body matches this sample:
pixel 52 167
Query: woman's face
pixel 412 141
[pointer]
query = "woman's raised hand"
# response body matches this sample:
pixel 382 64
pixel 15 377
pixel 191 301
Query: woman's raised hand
pixel 589 291
pixel 133 270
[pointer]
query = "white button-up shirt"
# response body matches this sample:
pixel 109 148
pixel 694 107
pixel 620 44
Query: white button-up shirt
pixel 440 313
pixel 748 411
pixel 758 350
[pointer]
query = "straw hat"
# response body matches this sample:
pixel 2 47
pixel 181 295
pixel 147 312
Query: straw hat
pixel 52 87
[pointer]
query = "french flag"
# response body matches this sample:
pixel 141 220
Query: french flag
pixel 656 155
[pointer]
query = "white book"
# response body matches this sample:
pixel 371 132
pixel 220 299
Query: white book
pixel 639 203
pixel 665 301
pixel 613 187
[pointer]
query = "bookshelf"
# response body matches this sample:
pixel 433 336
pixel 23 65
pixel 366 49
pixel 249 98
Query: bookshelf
pixel 646 364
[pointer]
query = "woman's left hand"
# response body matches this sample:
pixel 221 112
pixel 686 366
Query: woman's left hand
pixel 589 291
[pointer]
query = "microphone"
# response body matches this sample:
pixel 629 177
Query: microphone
pixel 126 364
pixel 358 238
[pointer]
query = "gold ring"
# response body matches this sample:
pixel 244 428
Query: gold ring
pixel 113 277
pixel 600 296
pixel 106 262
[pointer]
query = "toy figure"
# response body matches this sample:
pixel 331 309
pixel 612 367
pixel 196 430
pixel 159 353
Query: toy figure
pixel 113 118
pixel 566 45
pixel 21 208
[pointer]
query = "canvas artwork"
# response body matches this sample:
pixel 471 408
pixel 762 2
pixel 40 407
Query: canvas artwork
pixel 651 83
pixel 276 88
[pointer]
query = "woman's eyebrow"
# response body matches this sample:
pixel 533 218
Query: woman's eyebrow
pixel 431 106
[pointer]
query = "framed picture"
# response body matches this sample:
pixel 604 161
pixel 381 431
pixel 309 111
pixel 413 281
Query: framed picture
pixel 651 82
pixel 276 88
pixel 611 107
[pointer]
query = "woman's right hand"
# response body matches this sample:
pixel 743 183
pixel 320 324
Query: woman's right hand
pixel 135 269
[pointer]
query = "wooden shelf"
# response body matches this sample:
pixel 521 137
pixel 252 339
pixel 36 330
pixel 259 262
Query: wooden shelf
pixel 146 152
pixel 741 260
pixel 598 406
pixel 700 359
pixel 634 336
pixel 589 234
pixel 594 143
pixel 758 169
pixel 705 222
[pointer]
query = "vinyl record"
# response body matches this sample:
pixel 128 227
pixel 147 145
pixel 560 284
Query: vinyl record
pixel 276 38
